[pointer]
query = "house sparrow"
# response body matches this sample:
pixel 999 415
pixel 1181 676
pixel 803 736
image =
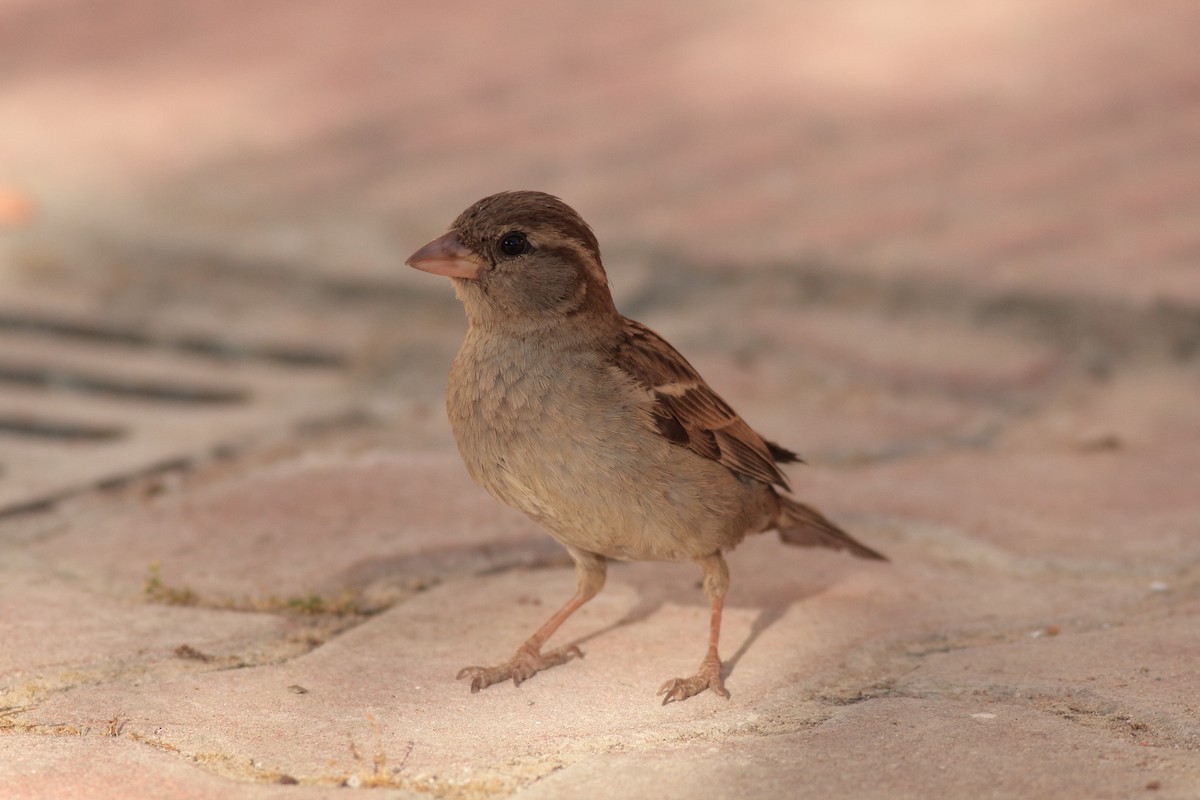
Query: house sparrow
pixel 594 426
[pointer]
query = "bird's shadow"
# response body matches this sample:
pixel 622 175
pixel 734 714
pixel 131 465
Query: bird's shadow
pixel 773 600
pixel 772 591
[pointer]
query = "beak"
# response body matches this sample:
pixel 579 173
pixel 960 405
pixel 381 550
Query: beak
pixel 446 255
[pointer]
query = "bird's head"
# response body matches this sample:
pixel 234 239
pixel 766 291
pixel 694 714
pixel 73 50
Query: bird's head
pixel 520 257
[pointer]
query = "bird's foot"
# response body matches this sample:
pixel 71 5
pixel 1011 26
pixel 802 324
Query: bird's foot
pixel 521 667
pixel 709 677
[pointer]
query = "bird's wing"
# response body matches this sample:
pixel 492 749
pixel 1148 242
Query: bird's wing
pixel 687 412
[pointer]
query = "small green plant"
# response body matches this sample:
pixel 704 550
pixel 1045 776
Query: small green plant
pixel 158 592
pixel 314 604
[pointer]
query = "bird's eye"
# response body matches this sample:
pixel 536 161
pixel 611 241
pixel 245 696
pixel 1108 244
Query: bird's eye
pixel 514 244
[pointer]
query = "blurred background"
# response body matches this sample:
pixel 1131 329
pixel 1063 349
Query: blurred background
pixel 205 208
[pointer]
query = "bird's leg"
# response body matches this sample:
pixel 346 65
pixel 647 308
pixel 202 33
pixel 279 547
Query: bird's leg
pixel 590 572
pixel 716 582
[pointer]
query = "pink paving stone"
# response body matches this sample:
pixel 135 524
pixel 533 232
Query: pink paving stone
pixel 97 768
pixel 919 747
pixel 1046 161
pixel 373 524
pixel 668 133
pixel 58 634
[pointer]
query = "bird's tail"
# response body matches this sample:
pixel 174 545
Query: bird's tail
pixel 803 525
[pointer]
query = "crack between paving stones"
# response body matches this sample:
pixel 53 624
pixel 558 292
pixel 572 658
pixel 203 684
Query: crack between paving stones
pixel 375 772
pixel 1098 332
pixel 148 478
pixel 1099 715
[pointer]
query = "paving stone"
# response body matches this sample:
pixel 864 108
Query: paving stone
pixel 58 635
pixel 404 704
pixel 1133 681
pixel 897 747
pixel 333 528
pixel 33 767
pixel 966 295
pixel 1000 571
pixel 1093 481
pixel 1049 158
pixel 804 632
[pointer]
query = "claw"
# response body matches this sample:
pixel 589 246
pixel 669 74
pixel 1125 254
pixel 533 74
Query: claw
pixel 478 676
pixel 520 668
pixel 678 689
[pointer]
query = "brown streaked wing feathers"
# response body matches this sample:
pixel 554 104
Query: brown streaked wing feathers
pixel 687 412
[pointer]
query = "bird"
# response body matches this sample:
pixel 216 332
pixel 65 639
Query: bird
pixel 597 428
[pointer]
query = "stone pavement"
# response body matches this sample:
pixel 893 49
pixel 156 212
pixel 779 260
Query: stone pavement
pixel 949 253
